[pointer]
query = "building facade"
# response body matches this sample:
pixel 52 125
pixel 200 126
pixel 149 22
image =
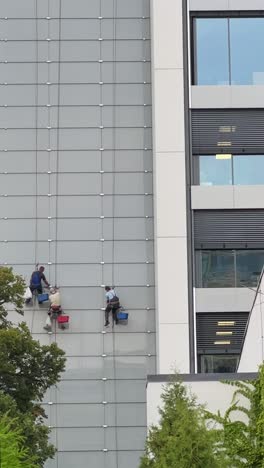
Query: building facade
pixel 77 197
pixel 207 71
pixel 131 154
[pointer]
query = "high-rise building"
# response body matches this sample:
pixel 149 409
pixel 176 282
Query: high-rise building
pixel 156 189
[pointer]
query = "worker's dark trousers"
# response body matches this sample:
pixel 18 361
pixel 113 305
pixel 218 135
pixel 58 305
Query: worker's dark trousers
pixel 109 308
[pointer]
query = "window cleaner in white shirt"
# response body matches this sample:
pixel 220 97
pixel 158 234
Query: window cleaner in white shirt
pixel 112 304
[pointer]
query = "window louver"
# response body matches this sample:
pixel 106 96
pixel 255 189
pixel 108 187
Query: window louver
pixel 207 328
pixel 235 131
pixel 228 229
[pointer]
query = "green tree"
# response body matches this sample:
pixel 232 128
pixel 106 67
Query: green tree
pixel 12 289
pixel 32 425
pixel 243 441
pixel 182 439
pixel 27 370
pixel 13 453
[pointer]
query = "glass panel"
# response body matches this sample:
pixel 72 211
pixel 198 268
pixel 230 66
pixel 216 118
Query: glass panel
pixel 247 60
pixel 86 459
pixel 212 51
pixel 81 439
pixel 215 171
pixel 129 391
pixel 218 269
pixel 248 267
pixel 86 391
pixel 218 363
pixel 81 415
pixel 129 459
pixel 80 345
pixel 126 344
pixel 248 170
pixel 129 414
pixel 131 438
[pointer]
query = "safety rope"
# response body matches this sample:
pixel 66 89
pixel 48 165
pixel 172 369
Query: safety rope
pixel 57 201
pixel 113 219
pixel 36 169
pixel 104 382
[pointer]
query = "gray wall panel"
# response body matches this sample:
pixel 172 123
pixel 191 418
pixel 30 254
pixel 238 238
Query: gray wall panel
pixel 81 206
pixel 59 159
pixel 79 252
pixel 80 116
pixel 79 184
pixel 80 29
pixel 80 73
pixel 18 51
pixel 84 459
pixel 17 10
pixel 98 367
pixel 89 8
pixel 79 229
pixel 18 72
pixel 84 51
pixel 80 161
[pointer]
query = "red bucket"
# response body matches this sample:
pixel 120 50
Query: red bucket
pixel 63 319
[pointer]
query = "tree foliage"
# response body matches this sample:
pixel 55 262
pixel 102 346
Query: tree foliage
pixel 189 436
pixel 32 425
pixel 243 440
pixel 13 453
pixel 12 289
pixel 27 370
pixel 182 439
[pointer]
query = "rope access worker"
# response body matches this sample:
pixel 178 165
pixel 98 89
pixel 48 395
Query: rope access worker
pixel 36 281
pixel 55 300
pixel 55 308
pixel 112 304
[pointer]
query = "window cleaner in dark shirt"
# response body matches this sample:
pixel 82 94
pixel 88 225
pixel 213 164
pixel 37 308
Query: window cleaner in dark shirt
pixel 36 281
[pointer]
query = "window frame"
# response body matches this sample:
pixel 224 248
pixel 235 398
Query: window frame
pixel 196 169
pixel 235 252
pixel 214 14
pixel 229 353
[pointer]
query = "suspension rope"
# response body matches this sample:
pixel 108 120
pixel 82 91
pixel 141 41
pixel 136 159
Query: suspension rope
pixel 57 201
pixel 104 382
pixel 36 167
pixel 113 220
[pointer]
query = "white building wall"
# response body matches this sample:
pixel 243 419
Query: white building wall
pixel 215 395
pixel 169 186
pixel 253 350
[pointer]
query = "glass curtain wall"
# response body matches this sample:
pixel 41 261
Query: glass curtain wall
pixel 228 51
pixel 228 268
pixel 227 169
pixel 76 197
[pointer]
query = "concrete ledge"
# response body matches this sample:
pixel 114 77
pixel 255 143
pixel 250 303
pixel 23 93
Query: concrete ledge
pixel 224 299
pixel 227 97
pixel 203 377
pixel 212 197
pixel 227 197
pixel 228 5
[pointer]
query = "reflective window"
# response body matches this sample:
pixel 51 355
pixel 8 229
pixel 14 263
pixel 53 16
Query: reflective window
pixel 218 269
pixel 215 170
pixel 225 169
pixel 248 170
pixel 217 363
pixel 248 267
pixel 246 51
pixel 229 51
pixel 229 268
pixel 212 51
